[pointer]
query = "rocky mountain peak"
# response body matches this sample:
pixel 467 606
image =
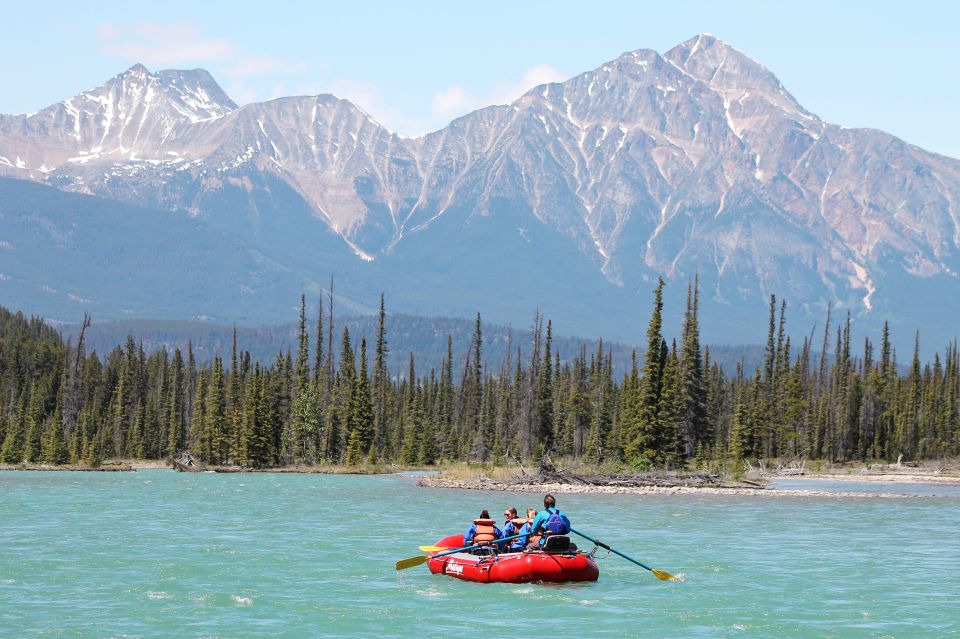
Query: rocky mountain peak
pixel 730 72
pixel 694 161
pixel 137 70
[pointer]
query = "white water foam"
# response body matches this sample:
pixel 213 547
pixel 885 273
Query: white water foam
pixel 242 601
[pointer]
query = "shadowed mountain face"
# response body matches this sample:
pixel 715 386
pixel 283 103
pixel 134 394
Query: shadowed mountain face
pixel 572 199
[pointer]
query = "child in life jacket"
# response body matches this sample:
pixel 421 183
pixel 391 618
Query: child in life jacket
pixel 483 530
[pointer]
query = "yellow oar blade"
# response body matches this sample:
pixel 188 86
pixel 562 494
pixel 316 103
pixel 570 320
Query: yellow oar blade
pixel 433 548
pixel 410 562
pixel 661 575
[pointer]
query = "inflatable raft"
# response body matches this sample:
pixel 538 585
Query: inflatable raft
pixel 513 567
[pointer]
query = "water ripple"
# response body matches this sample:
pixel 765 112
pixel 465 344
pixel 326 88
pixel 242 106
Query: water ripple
pixel 159 554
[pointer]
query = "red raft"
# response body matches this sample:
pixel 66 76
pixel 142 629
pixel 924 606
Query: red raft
pixel 514 567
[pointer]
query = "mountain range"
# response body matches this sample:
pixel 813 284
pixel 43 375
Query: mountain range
pixel 155 195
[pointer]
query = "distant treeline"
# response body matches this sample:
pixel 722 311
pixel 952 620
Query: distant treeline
pixel 425 336
pixel 335 401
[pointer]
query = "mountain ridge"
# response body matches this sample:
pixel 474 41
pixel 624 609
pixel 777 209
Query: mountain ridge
pixel 696 161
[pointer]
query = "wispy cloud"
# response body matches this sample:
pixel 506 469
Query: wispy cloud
pixel 369 97
pixel 179 43
pixel 250 65
pixel 455 101
pixel 249 77
pixel 161 44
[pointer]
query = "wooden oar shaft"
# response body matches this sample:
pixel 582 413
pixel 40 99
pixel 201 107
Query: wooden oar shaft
pixel 486 543
pixel 410 562
pixel 660 574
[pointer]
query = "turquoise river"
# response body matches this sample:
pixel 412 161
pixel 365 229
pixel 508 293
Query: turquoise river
pixel 160 554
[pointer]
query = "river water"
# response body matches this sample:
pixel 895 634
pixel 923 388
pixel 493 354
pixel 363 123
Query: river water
pixel 161 554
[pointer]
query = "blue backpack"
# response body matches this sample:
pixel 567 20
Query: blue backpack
pixel 557 523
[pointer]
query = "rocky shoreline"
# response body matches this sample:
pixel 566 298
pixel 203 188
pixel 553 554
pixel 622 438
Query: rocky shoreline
pixel 103 468
pixel 579 489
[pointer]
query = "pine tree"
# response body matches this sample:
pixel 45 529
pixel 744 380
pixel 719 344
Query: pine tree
pixel 693 390
pixel 12 451
pixel 643 434
pixel 409 425
pixel 266 452
pixel 318 362
pixel 426 454
pixel 246 454
pixel 199 437
pixel 445 404
pixel 53 446
pixel 672 414
pixel 304 428
pixel 32 446
pixel 361 421
pixel 175 435
pixel 340 409
pixel 381 383
pixel 303 346
pixel 544 407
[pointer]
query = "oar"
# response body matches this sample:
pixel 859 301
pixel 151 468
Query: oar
pixel 662 575
pixel 410 562
pixel 433 548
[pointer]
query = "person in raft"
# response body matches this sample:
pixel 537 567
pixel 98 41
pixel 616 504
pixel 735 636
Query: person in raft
pixel 509 527
pixel 550 521
pixel 483 531
pixel 515 525
pixel 526 529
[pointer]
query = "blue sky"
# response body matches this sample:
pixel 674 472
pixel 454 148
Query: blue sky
pixel 416 65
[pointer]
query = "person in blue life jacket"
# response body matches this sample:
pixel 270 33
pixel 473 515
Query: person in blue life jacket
pixel 515 525
pixel 483 530
pixel 510 528
pixel 549 521
pixel 525 530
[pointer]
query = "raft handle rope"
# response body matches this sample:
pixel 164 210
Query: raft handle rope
pixel 596 545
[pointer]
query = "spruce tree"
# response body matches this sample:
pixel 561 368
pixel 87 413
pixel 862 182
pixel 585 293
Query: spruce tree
pixel 544 407
pixel 12 451
pixel 644 440
pixel 32 445
pixel 426 453
pixel 693 390
pixel 381 382
pixel 409 444
pixel 246 454
pixel 174 417
pixel 361 421
pixel 199 437
pixel 303 346
pixel 672 413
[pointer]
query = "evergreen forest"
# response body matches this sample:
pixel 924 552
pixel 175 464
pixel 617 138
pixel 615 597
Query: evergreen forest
pixel 334 401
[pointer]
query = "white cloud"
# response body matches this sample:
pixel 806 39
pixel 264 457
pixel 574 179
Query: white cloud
pixel 363 94
pixel 250 65
pixel 181 43
pixel 455 101
pixel 241 92
pixel 532 77
pixel 249 77
pixel 161 44
pixel 452 102
pixel 368 97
